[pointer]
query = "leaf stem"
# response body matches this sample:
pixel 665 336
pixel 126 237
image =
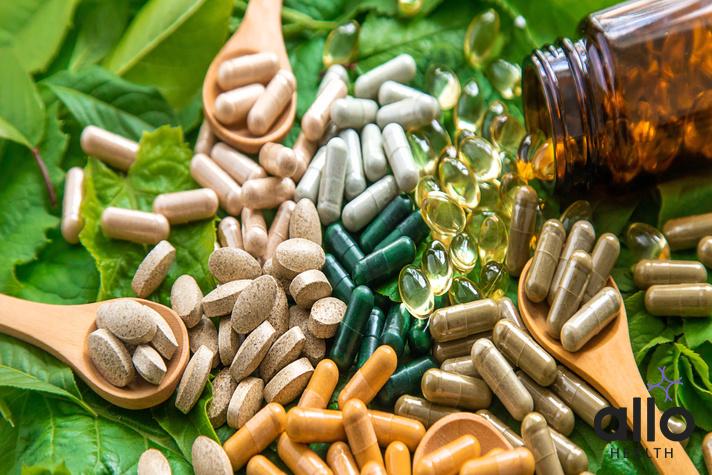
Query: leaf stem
pixel 45 177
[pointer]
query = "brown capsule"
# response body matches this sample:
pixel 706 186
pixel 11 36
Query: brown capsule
pixel 557 414
pixel 512 462
pixel 239 166
pixel 459 321
pixel 579 396
pixel 419 409
pixel 373 468
pixel 271 103
pixel 209 175
pixel 112 149
pixel 603 258
pixel 257 433
pixel 461 347
pixel 231 107
pixel 72 219
pixel 538 440
pixel 309 425
pixel 590 319
pixel 448 459
pixel 545 261
pixel 261 465
pixel 341 460
pixel 300 459
pixel 654 272
pixel 509 311
pixel 371 377
pixel 278 160
pixel 570 292
pixel 186 206
pixel 581 238
pixel 524 352
pixel 704 251
pixel 135 226
pixel 254 232
pixel 321 385
pixel 247 69
pixel 316 118
pixel 397 459
pixel 361 434
pixel 679 300
pixel 508 433
pixel 279 229
pixel 304 150
pixel 230 233
pixel 521 229
pixel 452 389
pixel 390 427
pixel 267 193
pixel 685 233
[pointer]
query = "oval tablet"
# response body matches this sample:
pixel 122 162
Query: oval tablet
pixel 110 357
pixel 153 269
pixel 128 320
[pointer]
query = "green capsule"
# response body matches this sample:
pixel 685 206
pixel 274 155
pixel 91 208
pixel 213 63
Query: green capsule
pixel 341 44
pixel 463 252
pixel 394 213
pixel 396 328
pixel 580 210
pixel 341 284
pixel 352 327
pixel 443 215
pixel 481 157
pixel 340 243
pixel 419 339
pixel 371 335
pixel 406 379
pixel 483 40
pixel 507 133
pixel 442 83
pixel 494 280
pixel 385 261
pixel 470 108
pixel 459 182
pixel 413 227
pixel 415 291
pixel 463 290
pixel 426 184
pixel 506 77
pixel 437 268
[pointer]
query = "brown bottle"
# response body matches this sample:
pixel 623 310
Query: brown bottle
pixel 630 97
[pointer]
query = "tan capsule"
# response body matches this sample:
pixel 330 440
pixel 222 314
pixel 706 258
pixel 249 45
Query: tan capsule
pixel 590 319
pixel 579 396
pixel 341 460
pixel 603 258
pixel 447 459
pixel 72 219
pixel 511 462
pixel 580 238
pixel 371 377
pixel 208 174
pixel 229 233
pixel 278 160
pixel 390 427
pixel 572 457
pixel 707 451
pixel 254 232
pixel 206 139
pixel 459 321
pixel 316 118
pixel 524 352
pixel 271 103
pixel 304 149
pixel 279 229
pixel 321 385
pixel 508 433
pixel 460 365
pixel 557 414
pixel 679 300
pixel 537 439
pixel 461 347
pixel 300 459
pixel 419 409
pixel 685 233
pixel 261 465
pixel 361 434
pixel 545 261
pixel 247 69
pixel 186 206
pixel 654 272
pixel 397 459
pixel 267 193
pixel 704 251
pixel 135 226
pixel 231 107
pixel 239 166
pixel 257 433
pixel 521 229
pixel 570 292
pixel 309 425
pixel 452 389
pixel 114 150
pixel 509 311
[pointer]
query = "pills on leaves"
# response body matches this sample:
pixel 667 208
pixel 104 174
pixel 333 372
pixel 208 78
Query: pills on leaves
pixel 209 175
pixel 112 149
pixel 186 206
pixel 240 167
pixel 649 272
pixel 132 225
pixel 153 269
pixel 110 357
pixel 683 300
pixel 72 220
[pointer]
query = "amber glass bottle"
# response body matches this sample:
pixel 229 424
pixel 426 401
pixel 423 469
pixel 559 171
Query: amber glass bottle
pixel 630 97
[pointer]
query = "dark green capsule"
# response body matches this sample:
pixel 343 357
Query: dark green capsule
pixel 406 379
pixel 371 335
pixel 341 283
pixel 419 339
pixel 348 337
pixel 339 242
pixel 391 216
pixel 395 330
pixel 381 301
pixel 413 226
pixel 385 261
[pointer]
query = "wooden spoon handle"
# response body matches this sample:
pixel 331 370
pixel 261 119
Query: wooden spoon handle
pixel 262 23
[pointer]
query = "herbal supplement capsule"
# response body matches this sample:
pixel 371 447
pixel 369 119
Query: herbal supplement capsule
pixel 509 311
pixel 72 220
pixel 335 71
pixel 390 427
pixel 707 451
pixel 363 208
pixel 413 226
pixel 239 166
pixel 112 149
pixel 580 238
pixel 231 107
pixel 135 226
pixel 373 468
pixel 186 206
pixel 460 365
pixel 360 433
pixel 604 256
pixel 316 118
pixel 355 179
pixel 409 113
pixel 579 396
pixel 545 261
pixel 279 229
pixel 681 300
pixel 341 460
pixel 351 328
pixel 685 233
pixel 209 175
pixel 406 379
pixel 394 213
pixel 704 251
pixel 392 91
pixel 499 375
pixel 229 233
pixel 278 160
pixel 557 414
pixel 397 459
pixel 271 103
pixel 400 157
pixel 247 69
pixel 384 262
pixel 572 457
pixel 341 284
pixel 343 246
pixel 256 434
pixel 331 185
pixel 461 347
pixel 268 192
pixel 321 385
pixel 419 340
pixel 401 69
pixel 508 433
pixel 371 377
pixel 350 112
pixel 521 349
pixel 653 272
pixel 415 291
pixel 452 389
pixel 254 232
pixel 421 410
pixel 371 334
pixel 309 425
pixel 308 186
pixel 447 459
pixel 205 140
pixel 590 319
pixel 396 328
pixel 570 292
pixel 537 439
pixel 521 229
pixel 299 458
pixel 459 321
pixel 261 465
pixel 375 164
pixel 512 462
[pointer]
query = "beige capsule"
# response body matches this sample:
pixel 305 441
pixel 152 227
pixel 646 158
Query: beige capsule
pixel 421 410
pixel 72 219
pixel 278 160
pixel 271 103
pixel 557 414
pixel 509 311
pixel 679 300
pixel 186 206
pixel 230 233
pixel 335 71
pixel 110 148
pixel 304 149
pixel 231 107
pixel 590 319
pixel 579 396
pixel 110 357
pixel 603 258
pixel 254 232
pixel 508 433
pixel 209 175
pixel 570 292
pixel 279 229
pixel 267 193
pixel 581 238
pixel 317 117
pixel 461 347
pixel 135 226
pixel 704 251
pixel 240 167
pixel 537 439
pixel 153 269
pixel 521 349
pixel 460 365
pixel 452 389
pixel 205 140
pixel 654 272
pixel 545 261
pixel 459 321
pixel 521 228
pixel 247 69
pixel 685 233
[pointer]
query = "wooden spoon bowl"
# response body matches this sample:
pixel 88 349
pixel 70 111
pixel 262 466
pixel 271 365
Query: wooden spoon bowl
pixel 260 32
pixel 62 331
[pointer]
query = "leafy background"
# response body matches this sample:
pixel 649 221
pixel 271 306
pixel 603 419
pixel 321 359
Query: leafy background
pixel 135 67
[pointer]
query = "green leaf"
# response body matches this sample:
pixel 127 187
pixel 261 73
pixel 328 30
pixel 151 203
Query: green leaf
pixel 693 397
pixel 101 24
pixel 6 413
pixel 22 114
pixel 59 469
pixel 170 44
pixel 306 61
pixel 612 214
pixel 697 331
pixel 685 196
pixel 642 327
pixel 665 356
pixel 623 458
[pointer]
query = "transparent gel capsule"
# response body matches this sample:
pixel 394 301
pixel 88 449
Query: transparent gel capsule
pixel 493 280
pixel 437 268
pixel 471 107
pixel 409 7
pixel 459 182
pixel 536 158
pixel 437 136
pixel 481 157
pixel 579 210
pixel 509 184
pixel 415 291
pixel 538 224
pixel 426 184
pixel 483 40
pixel 463 252
pixel 646 242
pixel 506 78
pixel 341 44
pixel 463 134
pixel 507 133
pixel 423 153
pixel 463 290
pixel 442 214
pixel 492 239
pixel 489 194
pixel 442 83
pixel 494 109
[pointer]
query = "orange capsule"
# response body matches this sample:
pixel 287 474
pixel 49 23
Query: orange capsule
pixel 390 427
pixel 518 461
pixel 255 435
pixel 208 174
pixel 278 160
pixel 317 117
pixel 373 468
pixel 185 206
pixel 229 232
pixel 254 232
pixel 361 434
pixel 261 465
pixel 300 459
pixel 304 149
pixel 321 385
pixel 308 425
pixel 371 377
pixel 112 149
pixel 239 166
pixel 279 230
pixel 267 193
pixel 341 460
pixel 397 459
pixel 271 103
pixel 448 459
pixel 232 106
pixel 247 69
pixel 135 226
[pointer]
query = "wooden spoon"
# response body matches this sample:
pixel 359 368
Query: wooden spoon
pixel 62 331
pixel 606 362
pixel 260 31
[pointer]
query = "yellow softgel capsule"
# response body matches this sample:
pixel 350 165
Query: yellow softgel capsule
pixel 481 157
pixel 646 242
pixel 483 40
pixel 463 252
pixel 459 182
pixel 436 267
pixel 341 44
pixel 442 214
pixel 415 291
pixel 442 83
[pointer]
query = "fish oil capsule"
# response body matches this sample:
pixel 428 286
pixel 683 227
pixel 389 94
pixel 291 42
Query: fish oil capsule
pixel 646 242
pixel 229 233
pixel 341 460
pixel 268 192
pixel 401 69
pixel 604 256
pixel 679 300
pixel 463 252
pixel 247 69
pixel 396 328
pixel 231 107
pixel 509 312
pixel 335 71
pixel 371 336
pixel 452 389
pixel 521 349
pixel 460 365
pixel 375 164
pixel 415 291
pixel 459 321
pixel 341 45
pixel 362 209
pixel 254 232
pixel 360 433
pixel 444 216
pixel 393 214
pixel 537 439
pixel 420 409
pixel 239 166
pixel 590 319
pixel 570 292
pixel 205 140
pixel 309 425
pixel 448 459
pixel 255 435
pixel 557 414
pixel 331 185
pixel 355 179
pixel 409 113
pixel 261 465
pixel 72 220
pixel 384 262
pixel 580 238
pixel 309 183
pixel 400 157
pixel 512 462
pixel 397 459
pixel 316 118
pixel 350 112
pixel 685 233
pixel 413 226
pixel 579 396
pixel 340 243
pixel 392 91
pixel 271 103
pixel 499 376
pixel 341 284
pixel 521 229
pixel 461 347
pixel 406 379
pixel 508 433
pixel 279 229
pixel 185 206
pixel 704 251
pixel 654 272
pixel 572 457
pixel 300 459
pixel 209 175
pixel 463 290
pixel 390 427
pixel 371 377
pixel 135 226
pixel 321 385
pixel 350 332
pixel 437 267
pixel 112 149
pixel 545 261
pixel 278 160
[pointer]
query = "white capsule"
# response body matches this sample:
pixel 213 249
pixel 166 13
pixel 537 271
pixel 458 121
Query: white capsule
pixel 72 220
pixel 375 164
pixel 401 69
pixel 209 175
pixel 590 319
pixel 239 166
pixel 112 149
pixel 331 186
pixel 392 91
pixel 362 209
pixel 205 140
pixel 400 157
pixel 309 184
pixel 350 112
pixel 335 71
pixel 355 179
pixel 232 106
pixel 410 113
